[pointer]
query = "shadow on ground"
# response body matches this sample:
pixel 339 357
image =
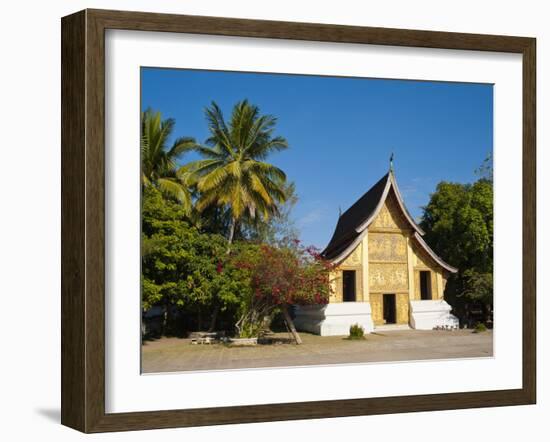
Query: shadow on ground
pixel 51 414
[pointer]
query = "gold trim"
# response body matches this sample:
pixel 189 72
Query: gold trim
pixel 389 230
pixel 378 261
pixel 389 292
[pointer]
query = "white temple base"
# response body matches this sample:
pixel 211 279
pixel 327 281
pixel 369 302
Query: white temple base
pixel 426 315
pixel 333 319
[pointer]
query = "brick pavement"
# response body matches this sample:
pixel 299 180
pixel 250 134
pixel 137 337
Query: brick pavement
pixel 173 354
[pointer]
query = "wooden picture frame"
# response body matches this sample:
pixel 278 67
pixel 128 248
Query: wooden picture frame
pixel 83 220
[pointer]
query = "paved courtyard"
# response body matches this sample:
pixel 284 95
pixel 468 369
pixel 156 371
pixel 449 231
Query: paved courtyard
pixel 174 354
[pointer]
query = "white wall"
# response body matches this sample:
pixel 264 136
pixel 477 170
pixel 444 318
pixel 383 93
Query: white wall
pixel 30 214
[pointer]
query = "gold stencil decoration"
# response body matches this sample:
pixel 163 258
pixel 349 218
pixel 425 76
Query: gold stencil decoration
pixel 387 247
pixel 354 258
pixel 376 309
pixel 416 294
pixel 388 277
pixel 444 283
pixel 384 219
pixel 390 215
pixel 423 260
pixel 336 285
pixel 402 308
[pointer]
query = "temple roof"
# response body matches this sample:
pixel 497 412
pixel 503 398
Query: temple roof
pixel 353 223
pixel 345 232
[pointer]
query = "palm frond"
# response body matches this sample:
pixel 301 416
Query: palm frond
pixel 210 152
pixel 220 134
pixel 233 174
pixel 266 146
pixel 259 188
pixel 261 128
pixel 266 169
pixel 206 200
pixel 212 180
pixel 176 190
pixel 181 146
pixel 158 164
pixel 145 180
pixel 203 167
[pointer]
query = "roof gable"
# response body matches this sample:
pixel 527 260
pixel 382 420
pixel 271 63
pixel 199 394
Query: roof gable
pixel 345 231
pixel 353 223
pixel 424 246
pixel 358 217
pixel 390 216
pixel 391 184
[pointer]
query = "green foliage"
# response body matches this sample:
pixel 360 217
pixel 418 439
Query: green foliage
pixel 356 332
pixel 252 329
pixel 186 261
pixel 458 222
pixel 478 286
pixel 279 229
pixel 480 327
pixel 485 171
pixel 180 265
pixel 233 174
pixel 159 162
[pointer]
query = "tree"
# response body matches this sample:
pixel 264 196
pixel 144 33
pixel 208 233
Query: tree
pixel 159 166
pixel 233 174
pixel 479 286
pixel 184 268
pixel 279 229
pixel 281 277
pixel 486 169
pixel 458 222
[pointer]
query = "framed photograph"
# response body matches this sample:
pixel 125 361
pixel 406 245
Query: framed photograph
pixel 266 221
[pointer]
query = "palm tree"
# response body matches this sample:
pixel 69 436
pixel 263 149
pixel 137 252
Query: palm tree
pixel 233 174
pixel 158 163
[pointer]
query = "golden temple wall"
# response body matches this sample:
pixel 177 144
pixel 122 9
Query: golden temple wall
pixel 423 262
pixel 389 261
pixel 353 262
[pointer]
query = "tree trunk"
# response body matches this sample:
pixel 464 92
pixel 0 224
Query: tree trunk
pixel 486 313
pixel 229 242
pixel 214 318
pixel 290 324
pixel 200 316
pixel 166 318
pixel 231 233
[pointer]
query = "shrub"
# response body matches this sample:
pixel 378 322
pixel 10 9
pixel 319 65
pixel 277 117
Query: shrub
pixel 356 332
pixel 480 327
pixel 253 330
pixel 281 277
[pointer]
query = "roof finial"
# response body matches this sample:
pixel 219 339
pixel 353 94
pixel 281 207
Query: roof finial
pixel 339 211
pixel 391 162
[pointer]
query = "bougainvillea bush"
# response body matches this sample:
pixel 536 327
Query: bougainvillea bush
pixel 281 277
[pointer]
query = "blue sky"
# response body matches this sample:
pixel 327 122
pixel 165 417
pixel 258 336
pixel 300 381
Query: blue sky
pixel 342 131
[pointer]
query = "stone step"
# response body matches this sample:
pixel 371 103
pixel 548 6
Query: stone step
pixel 391 327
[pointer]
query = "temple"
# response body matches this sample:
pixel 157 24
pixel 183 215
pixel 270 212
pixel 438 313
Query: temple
pixel 386 276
